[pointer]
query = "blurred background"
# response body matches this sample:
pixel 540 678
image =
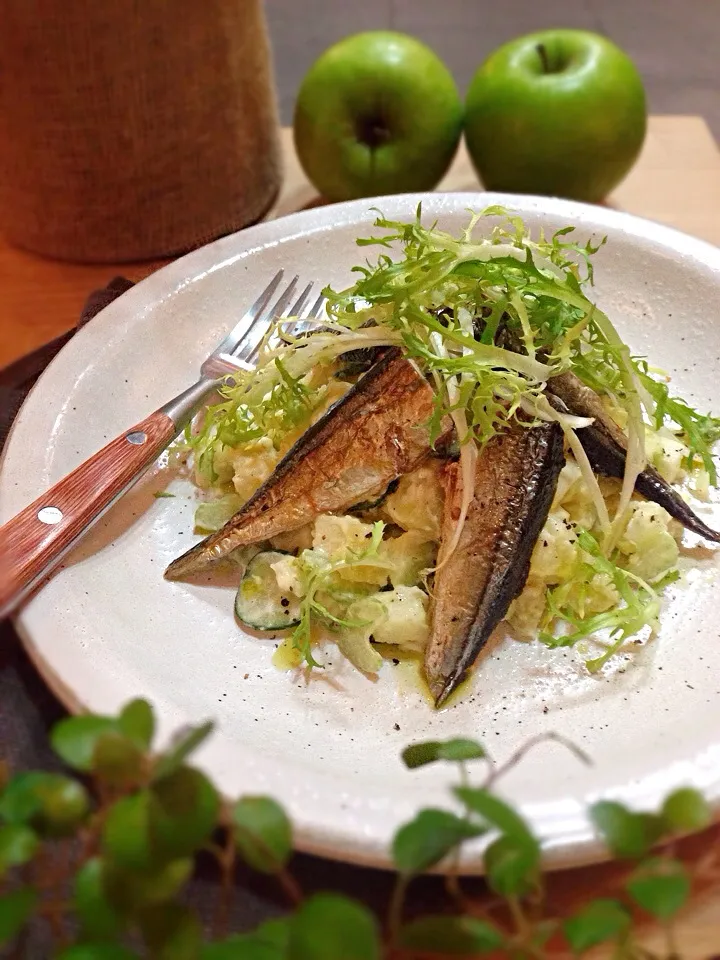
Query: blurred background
pixel 674 43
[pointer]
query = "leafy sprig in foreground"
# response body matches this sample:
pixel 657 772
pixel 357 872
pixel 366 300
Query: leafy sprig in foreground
pixel 126 848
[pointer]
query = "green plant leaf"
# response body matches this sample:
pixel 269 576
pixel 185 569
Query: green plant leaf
pixel 628 835
pixel 268 942
pixel 185 812
pixel 511 864
pixel 183 744
pixel 137 722
pixel 117 760
pixel 661 886
pixel 53 804
pixel 96 951
pixel 129 892
pixel 171 931
pixel 98 919
pixel 328 926
pixel 20 800
pixel 126 838
pixel 18 845
pixel 424 841
pixel 263 833
pixel 451 936
pixel 430 751
pixel 15 910
pixel 685 810
pixel 599 921
pixel 64 806
pixel 496 813
pixel 74 739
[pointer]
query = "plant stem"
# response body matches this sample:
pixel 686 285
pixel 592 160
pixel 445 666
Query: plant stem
pixel 290 887
pixel 671 941
pixel 225 857
pixel 397 902
pixel 542 53
pixel 530 745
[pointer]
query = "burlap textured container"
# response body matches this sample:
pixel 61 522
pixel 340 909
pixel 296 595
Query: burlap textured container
pixel 133 129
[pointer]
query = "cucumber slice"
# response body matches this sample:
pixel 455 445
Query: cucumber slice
pixel 259 603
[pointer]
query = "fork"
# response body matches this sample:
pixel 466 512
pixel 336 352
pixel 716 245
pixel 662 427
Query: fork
pixel 34 541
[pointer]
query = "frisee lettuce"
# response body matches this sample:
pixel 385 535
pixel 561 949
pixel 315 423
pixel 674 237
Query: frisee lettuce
pixel 638 608
pixel 450 301
pixel 321 591
pixel 699 431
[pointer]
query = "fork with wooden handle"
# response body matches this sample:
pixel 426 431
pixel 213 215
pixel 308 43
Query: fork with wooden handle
pixel 33 542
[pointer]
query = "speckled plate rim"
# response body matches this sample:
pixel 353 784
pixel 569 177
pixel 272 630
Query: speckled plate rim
pixel 567 835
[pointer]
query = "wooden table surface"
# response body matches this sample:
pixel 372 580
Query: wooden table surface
pixel 676 181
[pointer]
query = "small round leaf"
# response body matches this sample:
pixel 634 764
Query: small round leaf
pixel 424 841
pixel 329 926
pixel 660 886
pixel 130 892
pixel 269 941
pixel 185 812
pixel 117 760
pixel 126 835
pixel 430 751
pixel 263 833
pixel 64 806
pixel 74 739
pixel 97 951
pixel 171 931
pixel 15 911
pixel 496 813
pixel 511 864
pixel 54 805
pixel 451 936
pixel 137 722
pixel 599 921
pixel 628 835
pixel 686 810
pixel 20 800
pixel 18 845
pixel 98 919
pixel 184 743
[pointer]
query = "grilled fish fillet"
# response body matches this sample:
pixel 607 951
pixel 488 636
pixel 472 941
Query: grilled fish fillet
pixel 375 433
pixel 606 447
pixel 515 481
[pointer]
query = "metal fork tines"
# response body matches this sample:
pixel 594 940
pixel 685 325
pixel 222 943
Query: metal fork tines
pixel 33 542
pixel 252 331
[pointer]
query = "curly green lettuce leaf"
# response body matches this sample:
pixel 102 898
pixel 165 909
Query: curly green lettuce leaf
pixel 638 607
pixel 699 431
pixel 321 592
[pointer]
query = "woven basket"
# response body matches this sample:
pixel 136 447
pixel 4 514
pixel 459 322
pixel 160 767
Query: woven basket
pixel 134 129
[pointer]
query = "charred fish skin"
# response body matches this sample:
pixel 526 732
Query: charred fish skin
pixel 378 431
pixel 606 444
pixel 516 477
pixel 606 447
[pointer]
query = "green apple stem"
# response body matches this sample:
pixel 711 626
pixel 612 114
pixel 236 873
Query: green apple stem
pixel 542 53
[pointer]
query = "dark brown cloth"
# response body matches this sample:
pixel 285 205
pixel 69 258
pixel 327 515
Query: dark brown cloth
pixel 28 709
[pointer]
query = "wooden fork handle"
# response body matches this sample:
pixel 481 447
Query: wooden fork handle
pixel 34 541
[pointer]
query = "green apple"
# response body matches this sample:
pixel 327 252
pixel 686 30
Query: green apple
pixel 377 113
pixel 559 113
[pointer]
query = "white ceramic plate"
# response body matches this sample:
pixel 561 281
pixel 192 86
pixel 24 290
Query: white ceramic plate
pixel 108 627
